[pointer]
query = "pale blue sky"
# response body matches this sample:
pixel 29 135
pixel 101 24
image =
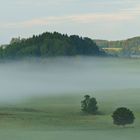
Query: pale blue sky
pixel 104 19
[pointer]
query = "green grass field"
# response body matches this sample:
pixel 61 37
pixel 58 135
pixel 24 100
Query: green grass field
pixel 60 118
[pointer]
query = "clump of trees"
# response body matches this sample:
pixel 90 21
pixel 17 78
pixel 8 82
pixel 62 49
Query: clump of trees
pixel 89 105
pixel 51 44
pixel 123 116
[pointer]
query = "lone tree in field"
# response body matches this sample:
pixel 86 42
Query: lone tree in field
pixel 123 116
pixel 89 105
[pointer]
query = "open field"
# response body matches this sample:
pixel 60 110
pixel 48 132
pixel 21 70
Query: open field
pixel 59 117
pixel 112 49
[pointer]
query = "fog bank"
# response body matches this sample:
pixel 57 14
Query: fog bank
pixel 32 77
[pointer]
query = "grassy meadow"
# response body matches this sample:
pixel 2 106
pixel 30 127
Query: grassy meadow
pixel 59 117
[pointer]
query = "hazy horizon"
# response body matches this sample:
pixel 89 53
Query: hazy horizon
pixel 70 35
pixel 102 19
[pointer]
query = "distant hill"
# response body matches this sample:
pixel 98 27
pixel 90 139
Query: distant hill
pixel 50 44
pixel 123 47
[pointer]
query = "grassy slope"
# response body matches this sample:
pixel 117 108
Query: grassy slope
pixel 59 117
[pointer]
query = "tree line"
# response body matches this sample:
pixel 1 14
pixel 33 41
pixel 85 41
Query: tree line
pixel 50 44
pixel 128 47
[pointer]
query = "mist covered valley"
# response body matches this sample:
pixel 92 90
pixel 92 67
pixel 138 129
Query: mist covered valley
pixel 66 75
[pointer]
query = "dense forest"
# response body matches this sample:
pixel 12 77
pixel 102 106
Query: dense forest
pixel 50 44
pixel 124 47
pixel 56 44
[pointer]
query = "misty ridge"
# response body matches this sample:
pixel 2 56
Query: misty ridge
pixel 50 45
pixel 66 75
pixel 56 44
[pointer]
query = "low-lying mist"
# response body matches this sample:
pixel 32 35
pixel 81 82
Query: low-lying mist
pixel 65 75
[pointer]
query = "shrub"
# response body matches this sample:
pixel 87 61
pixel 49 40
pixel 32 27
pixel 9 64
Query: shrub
pixel 123 116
